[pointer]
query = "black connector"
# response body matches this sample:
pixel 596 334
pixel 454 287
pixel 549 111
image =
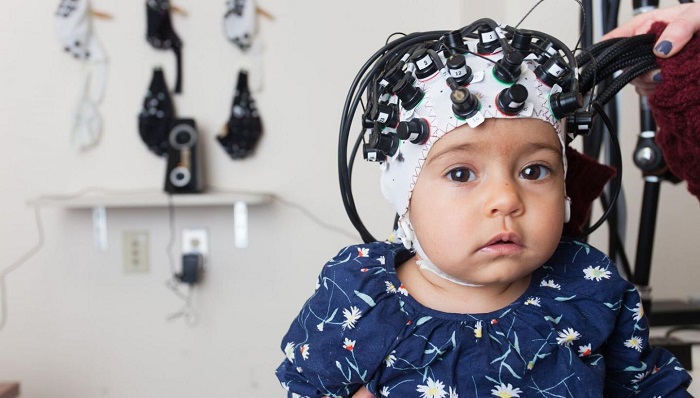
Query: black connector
pixel 564 104
pixel 511 100
pixel 464 103
pixel 425 67
pixel 507 69
pixel 579 123
pixel 417 131
pixel 459 70
pixel 455 42
pixel 521 42
pixel 386 143
pixel 551 71
pixel 409 95
pixel 488 40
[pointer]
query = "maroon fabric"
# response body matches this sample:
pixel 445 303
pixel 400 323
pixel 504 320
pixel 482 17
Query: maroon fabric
pixel 585 180
pixel 676 107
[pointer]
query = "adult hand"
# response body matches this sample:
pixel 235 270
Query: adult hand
pixel 683 22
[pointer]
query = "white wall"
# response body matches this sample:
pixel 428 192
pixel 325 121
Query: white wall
pixel 78 326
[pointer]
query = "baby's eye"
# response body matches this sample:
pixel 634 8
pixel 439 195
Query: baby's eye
pixel 535 172
pixel 461 175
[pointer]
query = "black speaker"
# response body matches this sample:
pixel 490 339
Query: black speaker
pixel 184 171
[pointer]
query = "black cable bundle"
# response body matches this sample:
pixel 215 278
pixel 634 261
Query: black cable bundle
pixel 633 56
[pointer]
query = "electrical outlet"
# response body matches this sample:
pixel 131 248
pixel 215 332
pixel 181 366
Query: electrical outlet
pixel 136 251
pixel 195 240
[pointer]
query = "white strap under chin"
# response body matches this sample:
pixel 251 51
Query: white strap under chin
pixel 409 239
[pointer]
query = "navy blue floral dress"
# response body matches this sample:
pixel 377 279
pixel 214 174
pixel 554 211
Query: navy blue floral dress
pixel 578 331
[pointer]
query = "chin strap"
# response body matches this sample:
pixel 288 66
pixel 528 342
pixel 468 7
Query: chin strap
pixel 409 240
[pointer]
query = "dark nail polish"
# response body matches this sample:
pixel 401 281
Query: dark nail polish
pixel 657 78
pixel 664 47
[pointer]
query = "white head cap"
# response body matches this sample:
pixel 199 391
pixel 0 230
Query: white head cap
pixel 486 96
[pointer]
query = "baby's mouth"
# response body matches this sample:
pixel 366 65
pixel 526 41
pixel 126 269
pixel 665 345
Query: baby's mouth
pixel 505 239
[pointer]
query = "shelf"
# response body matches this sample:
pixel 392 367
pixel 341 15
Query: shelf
pixel 155 199
pixel 100 202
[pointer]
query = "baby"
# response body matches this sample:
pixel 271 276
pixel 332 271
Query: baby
pixel 482 296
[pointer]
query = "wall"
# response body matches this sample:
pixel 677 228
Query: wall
pixel 77 325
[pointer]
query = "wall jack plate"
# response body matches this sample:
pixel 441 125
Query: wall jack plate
pixel 136 255
pixel 195 240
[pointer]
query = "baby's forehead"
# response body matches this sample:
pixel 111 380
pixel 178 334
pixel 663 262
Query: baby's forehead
pixel 499 132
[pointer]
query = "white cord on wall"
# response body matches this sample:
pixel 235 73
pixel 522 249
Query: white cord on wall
pixel 186 311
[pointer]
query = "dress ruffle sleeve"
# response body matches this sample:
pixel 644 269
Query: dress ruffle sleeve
pixel 634 368
pixel 329 350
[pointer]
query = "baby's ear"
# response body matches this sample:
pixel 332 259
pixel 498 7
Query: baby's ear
pixel 585 180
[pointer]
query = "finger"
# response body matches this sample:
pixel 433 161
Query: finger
pixel 643 92
pixel 675 36
pixel 637 25
pixel 650 78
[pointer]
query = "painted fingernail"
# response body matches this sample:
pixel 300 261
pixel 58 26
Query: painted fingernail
pixel 657 78
pixel 664 47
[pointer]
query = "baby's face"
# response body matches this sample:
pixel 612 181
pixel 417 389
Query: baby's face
pixel 488 205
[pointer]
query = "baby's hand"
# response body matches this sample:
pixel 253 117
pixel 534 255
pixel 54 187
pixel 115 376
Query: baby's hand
pixel 361 393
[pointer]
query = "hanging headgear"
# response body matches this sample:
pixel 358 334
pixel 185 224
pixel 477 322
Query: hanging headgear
pixel 74 30
pixel 157 115
pixel 161 35
pixel 244 128
pixel 240 23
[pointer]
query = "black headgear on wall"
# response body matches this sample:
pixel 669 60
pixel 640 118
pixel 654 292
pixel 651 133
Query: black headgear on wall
pixel 244 127
pixel 161 35
pixel 157 115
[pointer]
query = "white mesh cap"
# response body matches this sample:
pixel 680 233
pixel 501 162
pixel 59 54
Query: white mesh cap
pixel 400 171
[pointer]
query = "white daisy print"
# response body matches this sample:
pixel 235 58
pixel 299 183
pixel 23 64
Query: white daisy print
pixel 506 391
pixel 639 377
pixel 382 260
pixel 550 283
pixel 432 389
pixel 635 342
pixel 533 301
pixel 390 288
pixel 584 350
pixel 403 290
pixel 384 391
pixel 478 332
pixel 638 312
pixel 351 317
pixel 390 359
pixel 349 344
pixel 289 351
pixel 453 393
pixel 596 273
pixel 363 252
pixel 304 351
pixel 568 336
